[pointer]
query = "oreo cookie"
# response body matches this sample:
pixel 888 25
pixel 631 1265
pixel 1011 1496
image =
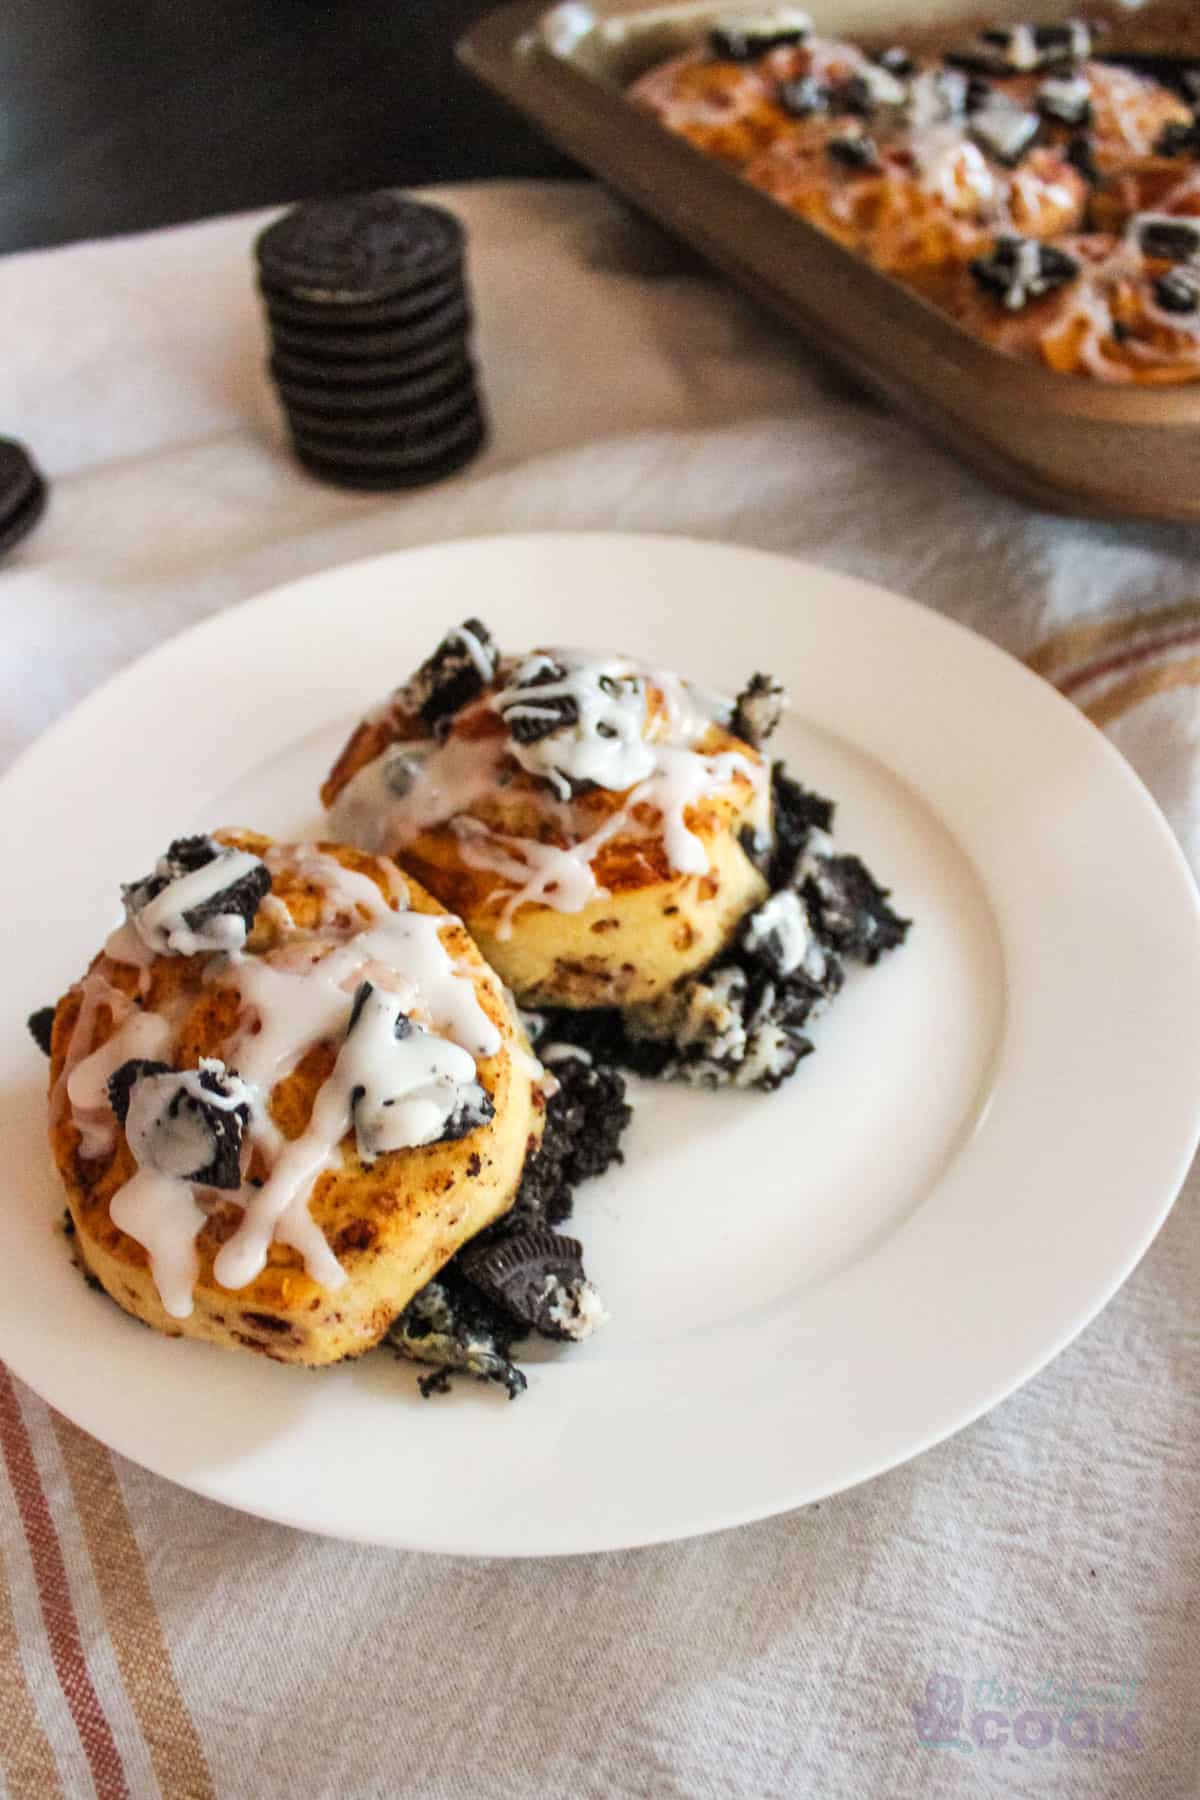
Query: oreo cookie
pixel 367 431
pixel 537 1277
pixel 430 458
pixel 366 302
pixel 1174 292
pixel 202 896
pixel 40 1025
pixel 311 400
pixel 395 343
pixel 287 309
pixel 455 1329
pixel 186 1123
pixel 23 493
pixel 359 250
pixel 343 377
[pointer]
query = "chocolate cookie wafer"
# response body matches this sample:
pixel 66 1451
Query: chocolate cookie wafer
pixel 315 399
pixel 22 493
pixel 344 377
pixel 317 425
pixel 388 343
pixel 431 458
pixel 286 310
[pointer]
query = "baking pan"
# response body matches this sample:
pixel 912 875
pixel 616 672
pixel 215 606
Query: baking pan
pixel 1058 441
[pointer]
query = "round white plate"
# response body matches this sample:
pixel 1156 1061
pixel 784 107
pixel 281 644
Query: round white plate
pixel 805 1288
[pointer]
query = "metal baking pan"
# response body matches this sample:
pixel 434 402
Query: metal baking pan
pixel 1058 441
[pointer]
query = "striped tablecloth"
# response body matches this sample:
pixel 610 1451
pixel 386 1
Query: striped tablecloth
pixel 1041 1567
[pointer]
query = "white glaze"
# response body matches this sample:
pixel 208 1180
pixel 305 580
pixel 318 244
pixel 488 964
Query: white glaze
pixel 615 742
pixel 162 1214
pixel 299 994
pixel 143 1034
pixel 161 924
pixel 606 743
pixel 421 1079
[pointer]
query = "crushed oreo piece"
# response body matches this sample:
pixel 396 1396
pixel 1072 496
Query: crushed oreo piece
pixel 1081 155
pixel 411 1087
pixel 1178 139
pixel 731 1029
pixel 603 1033
pixel 41 1026
pixel 585 1121
pixel 796 814
pixel 938 96
pixel 1165 238
pixel 1068 42
pixel 849 909
pixel 186 1123
pixel 452 1325
pixel 463 664
pixel 779 936
pixel 201 897
pixel 536 1276
pixel 1020 49
pixel 897 61
pixel 854 152
pixel 1174 292
pixel 748 36
pixel 804 97
pixel 401 769
pixel 1004 129
pixel 1022 269
pixel 1067 99
pixel 531 720
pixel 872 88
pixel 758 709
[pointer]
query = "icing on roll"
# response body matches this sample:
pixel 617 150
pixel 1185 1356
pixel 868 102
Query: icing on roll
pixel 370 976
pixel 573 722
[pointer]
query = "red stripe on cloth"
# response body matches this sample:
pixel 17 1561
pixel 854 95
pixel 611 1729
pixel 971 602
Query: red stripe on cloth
pixel 54 1594
pixel 1125 659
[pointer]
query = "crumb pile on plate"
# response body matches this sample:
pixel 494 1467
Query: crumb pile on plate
pixel 288 1091
pixel 367 304
pixel 653 890
pixel 1015 174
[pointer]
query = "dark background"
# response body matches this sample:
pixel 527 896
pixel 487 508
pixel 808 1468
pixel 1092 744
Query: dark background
pixel 118 115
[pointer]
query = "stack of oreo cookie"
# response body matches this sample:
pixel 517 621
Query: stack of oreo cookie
pixel 22 493
pixel 369 317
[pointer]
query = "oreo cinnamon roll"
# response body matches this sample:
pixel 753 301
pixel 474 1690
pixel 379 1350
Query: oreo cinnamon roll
pixel 1115 309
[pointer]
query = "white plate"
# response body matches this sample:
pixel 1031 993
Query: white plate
pixel 806 1288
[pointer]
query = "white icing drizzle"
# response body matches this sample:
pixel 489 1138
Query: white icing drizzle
pixel 563 878
pixel 604 744
pixel 161 1213
pixel 299 994
pixel 453 777
pixel 143 1034
pixel 485 662
pixel 411 1086
pixel 612 739
pixel 158 1206
pixel 161 923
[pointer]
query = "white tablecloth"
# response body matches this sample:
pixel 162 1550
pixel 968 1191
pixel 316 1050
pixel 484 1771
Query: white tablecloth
pixel 1045 1559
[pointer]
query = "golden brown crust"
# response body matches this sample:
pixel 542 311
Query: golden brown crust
pixel 391 1224
pixel 649 925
